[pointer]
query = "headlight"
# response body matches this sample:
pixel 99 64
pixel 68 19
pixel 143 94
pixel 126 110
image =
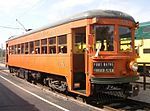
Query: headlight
pixel 133 66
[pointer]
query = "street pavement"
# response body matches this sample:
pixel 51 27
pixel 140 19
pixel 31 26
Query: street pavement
pixel 19 95
pixel 9 101
pixel 144 95
pixel 2 67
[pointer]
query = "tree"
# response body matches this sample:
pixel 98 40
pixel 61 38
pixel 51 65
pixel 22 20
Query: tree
pixel 2 55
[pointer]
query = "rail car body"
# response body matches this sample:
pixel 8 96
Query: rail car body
pixel 142 42
pixel 85 54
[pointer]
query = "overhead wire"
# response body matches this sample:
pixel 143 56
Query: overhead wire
pixel 17 28
pixel 41 2
pixel 31 8
pixel 8 27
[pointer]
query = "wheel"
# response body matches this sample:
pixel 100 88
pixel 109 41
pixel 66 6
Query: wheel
pixel 26 76
pixel 10 70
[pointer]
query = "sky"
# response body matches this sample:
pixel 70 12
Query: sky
pixel 33 14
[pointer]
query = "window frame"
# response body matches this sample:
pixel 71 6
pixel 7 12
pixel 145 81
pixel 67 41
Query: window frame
pixel 146 50
pixel 104 48
pixel 31 47
pixel 62 44
pixel 37 47
pixel 18 48
pixel 131 40
pixel 52 45
pixel 26 47
pixel 44 46
pixel 22 48
pixel 146 29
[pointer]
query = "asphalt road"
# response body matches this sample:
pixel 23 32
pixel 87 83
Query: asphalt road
pixel 12 102
pixel 18 95
pixel 2 67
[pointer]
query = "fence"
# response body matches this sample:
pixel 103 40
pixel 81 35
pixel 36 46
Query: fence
pixel 145 72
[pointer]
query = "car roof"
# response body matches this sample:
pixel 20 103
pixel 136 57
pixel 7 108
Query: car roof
pixel 80 16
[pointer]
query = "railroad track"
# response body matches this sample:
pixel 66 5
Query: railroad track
pixel 115 105
pixel 129 105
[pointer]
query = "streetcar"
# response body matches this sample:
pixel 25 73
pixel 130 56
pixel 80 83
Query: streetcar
pixel 90 53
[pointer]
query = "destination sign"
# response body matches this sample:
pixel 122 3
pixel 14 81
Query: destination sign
pixel 103 66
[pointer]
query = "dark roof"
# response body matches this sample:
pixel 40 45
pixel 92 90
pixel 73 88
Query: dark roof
pixel 85 15
pixel 101 14
pixel 144 24
pixel 143 32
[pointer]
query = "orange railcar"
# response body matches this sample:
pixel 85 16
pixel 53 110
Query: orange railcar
pixel 85 54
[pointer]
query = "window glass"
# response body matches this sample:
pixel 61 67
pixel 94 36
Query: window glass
pixel 26 48
pixel 18 49
pixel 52 49
pixel 62 44
pixel 52 40
pixel 22 48
pixel 31 47
pixel 37 47
pixel 10 50
pixel 52 45
pixel 44 49
pixel 44 41
pixel 146 50
pixel 44 46
pixel 104 37
pixel 80 42
pixel 125 38
pixel 146 29
pixel 15 49
pixel 62 39
pixel 37 43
